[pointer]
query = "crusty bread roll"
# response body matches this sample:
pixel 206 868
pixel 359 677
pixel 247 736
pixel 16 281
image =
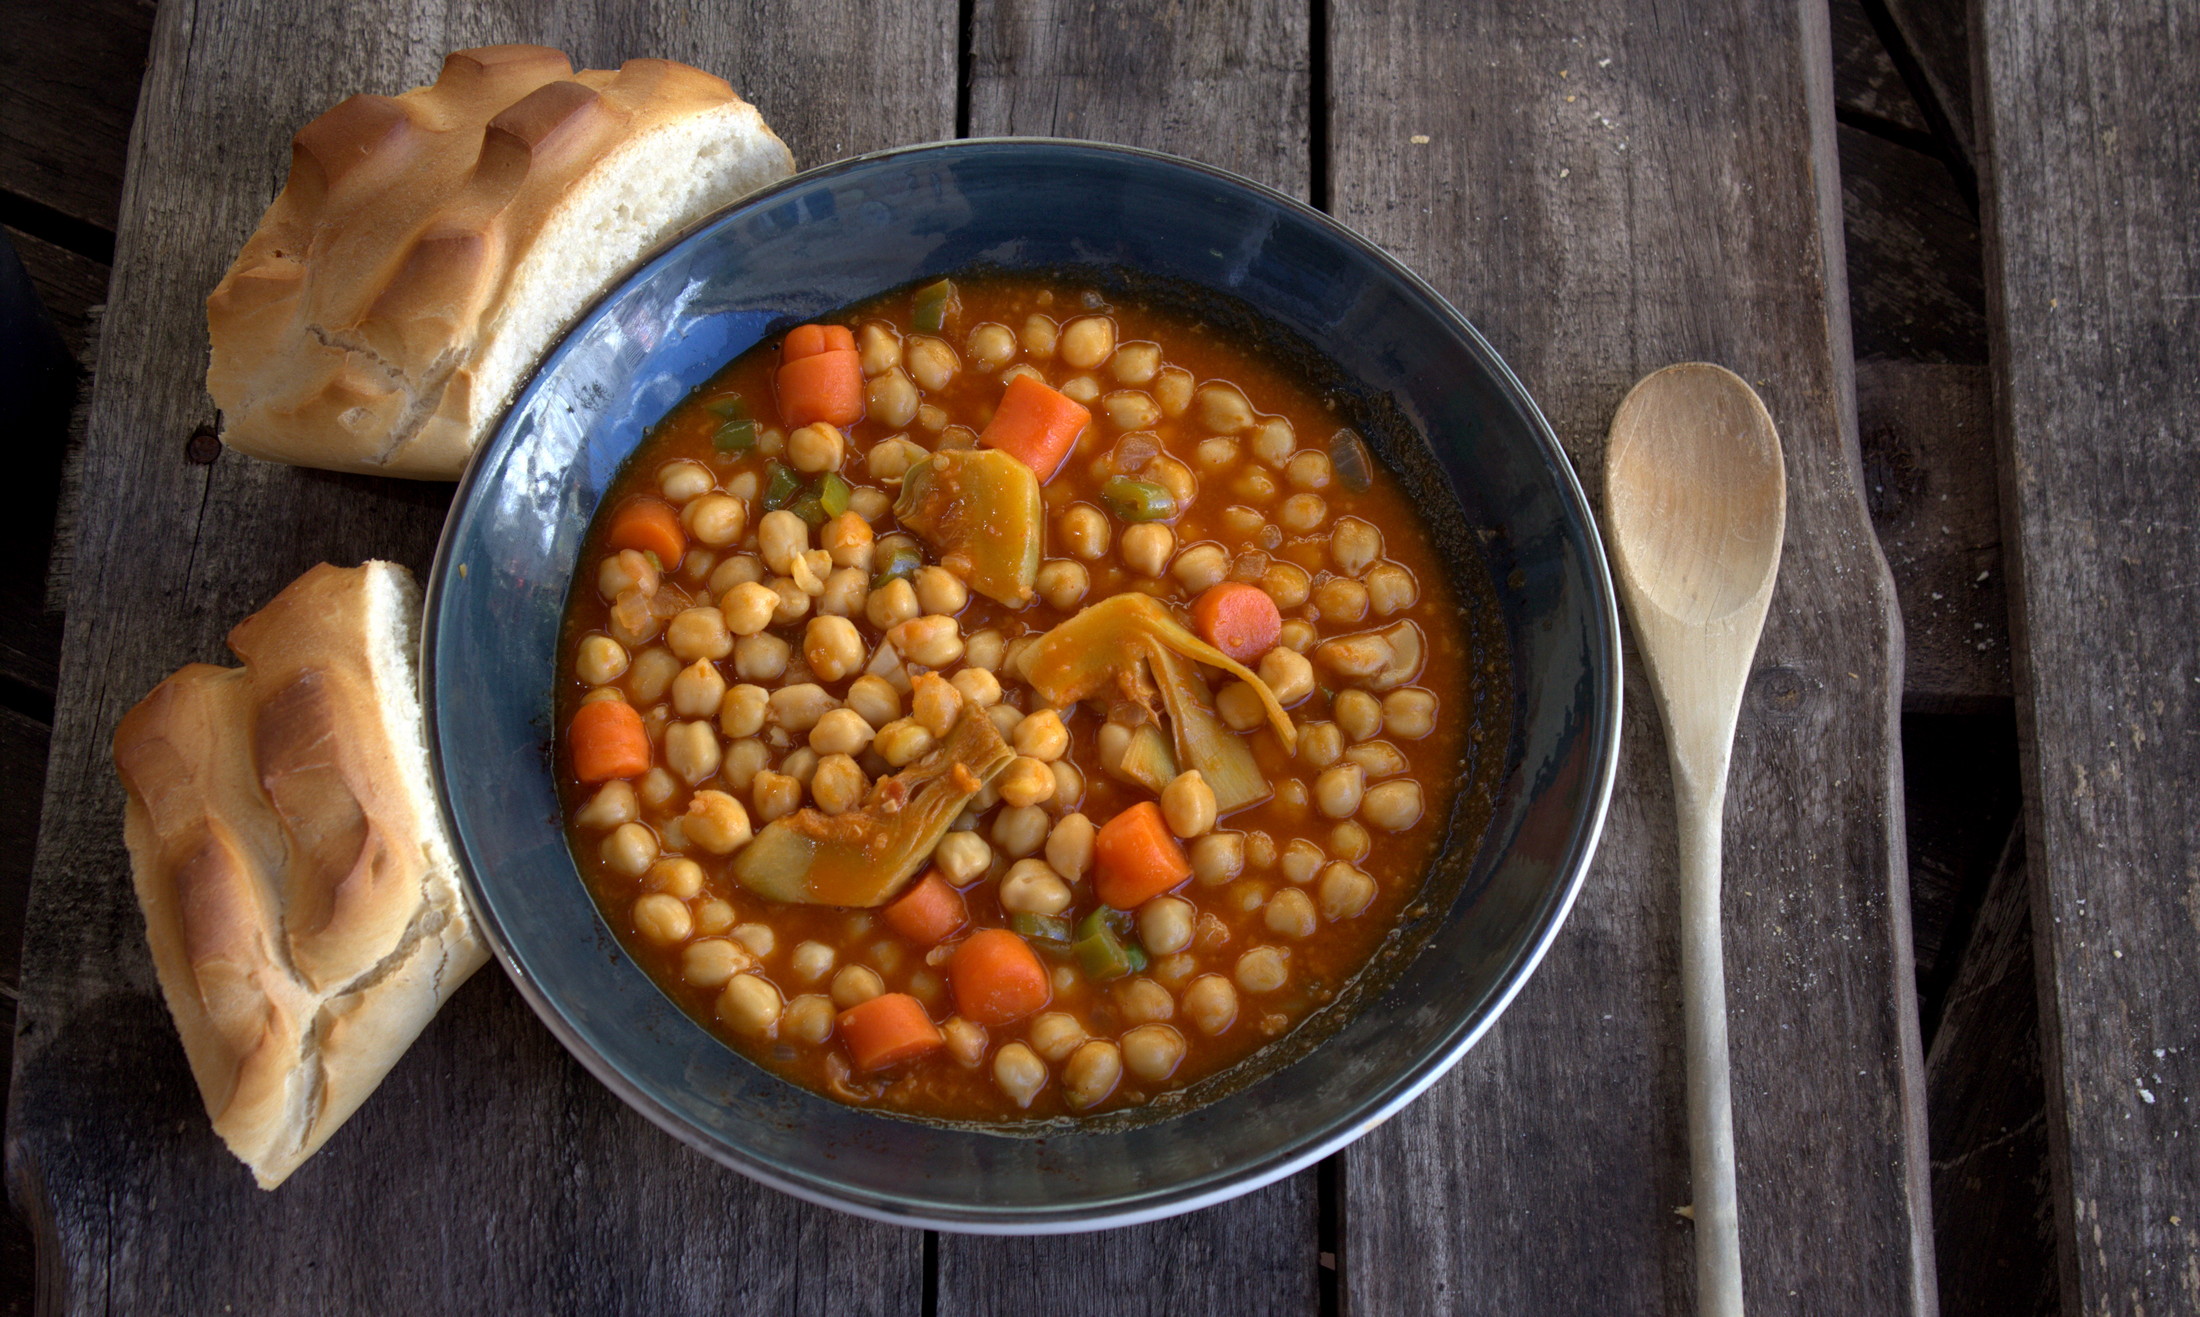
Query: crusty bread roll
pixel 300 895
pixel 428 247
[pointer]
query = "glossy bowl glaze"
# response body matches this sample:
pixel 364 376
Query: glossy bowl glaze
pixel 1437 404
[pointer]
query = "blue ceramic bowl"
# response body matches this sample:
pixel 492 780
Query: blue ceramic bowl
pixel 1439 407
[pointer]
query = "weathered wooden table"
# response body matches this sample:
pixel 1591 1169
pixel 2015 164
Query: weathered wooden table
pixel 1602 191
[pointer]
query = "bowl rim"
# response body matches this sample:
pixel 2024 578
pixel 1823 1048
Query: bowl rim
pixel 1580 850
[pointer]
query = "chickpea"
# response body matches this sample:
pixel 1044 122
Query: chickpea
pixel 891 398
pixel 890 459
pixel 1135 363
pixel 940 591
pixel 978 688
pixel 676 876
pixel 933 420
pixel 1391 589
pixel 709 962
pixel 1298 635
pixel 935 703
pixel 1153 1051
pixel 841 732
pixel 741 712
pixel 1038 336
pixel 1349 840
pixel 1288 674
pixel 1301 860
pixel 874 700
pixel 1320 744
pixel 891 604
pixel 838 784
pixel 855 985
pixel 1172 388
pixel 630 849
pixel 794 601
pixel 932 363
pixel 632 621
pixel 1354 545
pixel 1218 857
pixel 962 856
pixel 1069 784
pixel 1147 547
pixel 750 1005
pixel 1290 913
pixel 716 519
pixel 1302 513
pixel 983 650
pixel 1337 792
pixel 799 707
pixel 1041 735
pixel 991 346
pixel 612 805
pixel 903 742
pixel 1165 924
pixel 1131 409
pixel 1019 1072
pixel 712 916
pixel 1358 713
pixel 1240 707
pixel 1020 830
pixel 818 446
pixel 1143 1001
pixel 1246 897
pixel 1063 583
pixel 698 692
pixel 1069 846
pixel 880 346
pixel 1032 888
pixel 1263 969
pixel 1093 1070
pixel 1340 600
pixel 780 538
pixel 1345 891
pixel 1309 469
pixel 1211 1002
pixel 808 1018
pixel 748 607
pixel 933 640
pixel 832 647
pixel 1084 532
pixel 662 919
pixel 1393 806
pixel 736 570
pixel 1026 781
pixel 1188 804
pixel 1286 583
pixel 1087 341
pixel 775 795
pixel 1260 850
pixel 1200 566
pixel 1378 758
pixel 716 822
pixel 1055 1034
pixel 692 750
pixel 1243 522
pixel 1273 441
pixel 658 787
pixel 628 569
pixel 847 541
pixel 599 660
pixel 760 657
pixel 845 590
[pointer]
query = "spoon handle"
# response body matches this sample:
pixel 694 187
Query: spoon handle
pixel 1703 1009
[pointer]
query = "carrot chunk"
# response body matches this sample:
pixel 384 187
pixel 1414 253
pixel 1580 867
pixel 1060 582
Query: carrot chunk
pixel 1136 859
pixel 1036 425
pixel 652 527
pixel 929 911
pixel 997 978
pixel 809 340
pixel 1238 619
pixel 608 741
pixel 887 1030
pixel 823 386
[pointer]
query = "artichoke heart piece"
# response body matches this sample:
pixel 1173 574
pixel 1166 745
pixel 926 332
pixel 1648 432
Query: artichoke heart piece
pixel 866 856
pixel 1113 643
pixel 980 510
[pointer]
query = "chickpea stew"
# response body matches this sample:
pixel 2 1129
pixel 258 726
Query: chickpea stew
pixel 999 703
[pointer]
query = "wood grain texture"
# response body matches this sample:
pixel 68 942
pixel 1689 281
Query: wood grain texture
pixel 1606 190
pixel 1226 84
pixel 1928 443
pixel 490 1171
pixel 2090 151
pixel 69 286
pixel 1915 290
pixel 1936 35
pixel 65 106
pixel 1994 1234
pixel 1866 83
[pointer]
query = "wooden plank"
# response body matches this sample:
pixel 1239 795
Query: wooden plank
pixel 1605 191
pixel 1927 433
pixel 2087 145
pixel 489 1164
pixel 1915 282
pixel 71 287
pixel 1227 84
pixel 1960 797
pixel 1935 35
pixel 1991 1227
pixel 1866 84
pixel 69 72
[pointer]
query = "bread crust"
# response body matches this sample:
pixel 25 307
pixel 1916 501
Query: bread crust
pixel 301 900
pixel 351 329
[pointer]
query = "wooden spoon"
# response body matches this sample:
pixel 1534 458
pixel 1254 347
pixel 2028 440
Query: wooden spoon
pixel 1695 502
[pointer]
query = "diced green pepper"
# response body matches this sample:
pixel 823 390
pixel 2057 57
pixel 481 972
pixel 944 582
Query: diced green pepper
pixel 781 484
pixel 932 303
pixel 809 506
pixel 1103 947
pixel 733 408
pixel 897 563
pixel 735 437
pixel 1137 500
pixel 832 494
pixel 1051 932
